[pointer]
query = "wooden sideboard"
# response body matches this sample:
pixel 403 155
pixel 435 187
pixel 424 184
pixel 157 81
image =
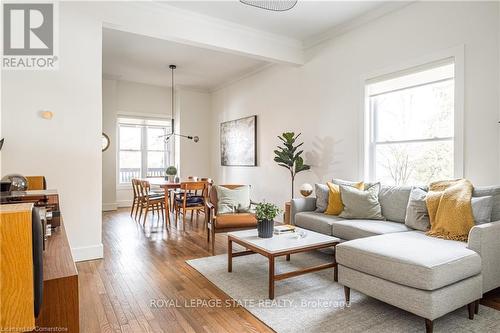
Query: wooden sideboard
pixel 59 310
pixel 16 268
pixel 60 285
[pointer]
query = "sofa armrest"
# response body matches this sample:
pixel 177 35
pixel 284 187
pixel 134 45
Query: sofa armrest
pixel 485 240
pixel 301 205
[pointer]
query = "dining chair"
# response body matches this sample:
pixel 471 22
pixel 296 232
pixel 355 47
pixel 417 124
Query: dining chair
pixel 150 202
pixel 186 200
pixel 135 200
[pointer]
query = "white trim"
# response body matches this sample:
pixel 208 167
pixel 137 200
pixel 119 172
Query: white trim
pixel 354 23
pixel 85 253
pixel 124 203
pixel 458 55
pixel 108 207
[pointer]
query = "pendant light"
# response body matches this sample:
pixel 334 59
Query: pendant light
pixel 272 5
pixel 172 131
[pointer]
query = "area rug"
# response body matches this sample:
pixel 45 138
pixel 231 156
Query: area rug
pixel 315 303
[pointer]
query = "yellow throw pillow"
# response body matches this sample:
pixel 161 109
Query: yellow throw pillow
pixel 335 205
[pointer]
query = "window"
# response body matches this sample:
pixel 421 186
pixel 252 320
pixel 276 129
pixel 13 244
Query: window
pixel 142 148
pixel 411 125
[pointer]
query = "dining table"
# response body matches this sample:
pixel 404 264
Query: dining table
pixel 166 185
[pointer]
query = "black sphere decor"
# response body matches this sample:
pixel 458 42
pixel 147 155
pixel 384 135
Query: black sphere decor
pixel 265 228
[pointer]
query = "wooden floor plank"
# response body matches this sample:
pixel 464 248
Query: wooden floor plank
pixel 142 264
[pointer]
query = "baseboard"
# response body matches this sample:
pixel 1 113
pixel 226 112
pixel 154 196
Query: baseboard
pixel 87 252
pixel 106 207
pixel 124 203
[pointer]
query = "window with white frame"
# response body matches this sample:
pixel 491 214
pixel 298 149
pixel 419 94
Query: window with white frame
pixel 411 125
pixel 142 150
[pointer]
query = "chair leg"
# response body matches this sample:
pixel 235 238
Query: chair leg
pixel 132 208
pixel 429 326
pixel 145 215
pixel 141 208
pixel 476 307
pixel 184 220
pixel 162 207
pixel 213 240
pixel 470 308
pixel 347 293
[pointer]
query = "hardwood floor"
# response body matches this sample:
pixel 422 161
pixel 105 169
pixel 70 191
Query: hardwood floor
pixel 142 266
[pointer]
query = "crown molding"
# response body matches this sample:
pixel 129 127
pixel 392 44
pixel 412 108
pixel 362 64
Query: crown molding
pixel 243 76
pixel 354 23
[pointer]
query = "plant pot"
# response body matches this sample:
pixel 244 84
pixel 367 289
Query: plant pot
pixel 170 178
pixel 265 228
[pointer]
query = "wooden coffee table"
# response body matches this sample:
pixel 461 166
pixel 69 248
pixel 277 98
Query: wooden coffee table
pixel 280 245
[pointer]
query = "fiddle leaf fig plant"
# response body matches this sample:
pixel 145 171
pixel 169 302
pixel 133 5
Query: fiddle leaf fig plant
pixel 289 156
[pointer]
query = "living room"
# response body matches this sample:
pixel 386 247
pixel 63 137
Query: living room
pixel 397 108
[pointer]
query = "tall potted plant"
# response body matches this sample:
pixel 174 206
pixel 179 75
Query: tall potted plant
pixel 289 157
pixel 265 213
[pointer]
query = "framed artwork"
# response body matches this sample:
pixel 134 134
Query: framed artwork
pixel 238 142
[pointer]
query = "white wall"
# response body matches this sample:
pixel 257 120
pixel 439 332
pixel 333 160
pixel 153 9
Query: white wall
pixel 66 149
pixel 195 119
pixel 323 99
pixel 137 99
pixel 109 91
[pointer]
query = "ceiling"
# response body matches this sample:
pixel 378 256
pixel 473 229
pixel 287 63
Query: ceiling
pixel 305 20
pixel 143 59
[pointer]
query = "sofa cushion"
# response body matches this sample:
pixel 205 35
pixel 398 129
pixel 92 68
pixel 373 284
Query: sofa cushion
pixel 393 200
pixel 321 197
pixel 236 220
pixel 411 258
pixel 315 221
pixel 494 191
pixel 417 215
pixel 361 204
pixel 354 229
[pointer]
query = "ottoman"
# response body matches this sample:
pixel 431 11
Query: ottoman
pixel 424 275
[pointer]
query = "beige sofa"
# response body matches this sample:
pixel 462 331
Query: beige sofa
pixel 389 261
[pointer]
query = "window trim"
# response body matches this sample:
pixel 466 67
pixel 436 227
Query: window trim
pixel 366 149
pixel 143 150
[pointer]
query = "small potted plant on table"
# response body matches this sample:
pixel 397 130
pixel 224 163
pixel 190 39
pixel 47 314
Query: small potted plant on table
pixel 171 172
pixel 265 213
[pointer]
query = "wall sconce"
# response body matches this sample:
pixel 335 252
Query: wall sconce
pixel 46 114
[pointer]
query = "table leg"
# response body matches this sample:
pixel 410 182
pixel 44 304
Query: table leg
pixel 167 207
pixel 229 255
pixel 287 257
pixel 271 277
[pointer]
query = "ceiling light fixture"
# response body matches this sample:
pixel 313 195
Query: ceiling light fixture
pixel 172 131
pixel 275 6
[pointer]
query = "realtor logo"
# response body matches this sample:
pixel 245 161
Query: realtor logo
pixel 29 36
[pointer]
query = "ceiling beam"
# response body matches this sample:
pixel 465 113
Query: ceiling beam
pixel 181 26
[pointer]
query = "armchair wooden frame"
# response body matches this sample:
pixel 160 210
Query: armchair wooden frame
pixel 211 219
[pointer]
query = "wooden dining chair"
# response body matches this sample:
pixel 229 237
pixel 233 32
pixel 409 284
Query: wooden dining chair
pixel 150 202
pixel 135 200
pixel 186 200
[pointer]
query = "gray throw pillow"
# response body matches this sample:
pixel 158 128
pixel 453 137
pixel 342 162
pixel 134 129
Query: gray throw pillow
pixel 321 197
pixel 360 204
pixel 417 216
pixel 481 209
pixel 230 201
